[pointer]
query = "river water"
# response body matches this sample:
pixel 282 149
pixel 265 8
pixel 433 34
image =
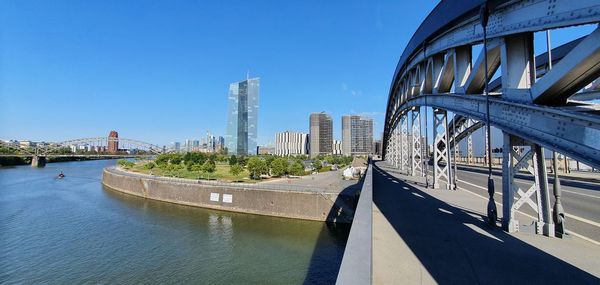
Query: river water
pixel 74 230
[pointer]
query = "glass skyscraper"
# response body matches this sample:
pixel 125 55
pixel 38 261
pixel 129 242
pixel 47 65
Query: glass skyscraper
pixel 242 120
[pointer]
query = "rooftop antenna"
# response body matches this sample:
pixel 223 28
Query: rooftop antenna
pixel 248 74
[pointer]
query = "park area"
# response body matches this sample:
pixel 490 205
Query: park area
pixel 221 167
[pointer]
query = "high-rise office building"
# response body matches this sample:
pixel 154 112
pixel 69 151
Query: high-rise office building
pixel 241 138
pixel 188 145
pixel 113 142
pixel 220 144
pixel 176 146
pixel 357 135
pixel 291 143
pixel 321 134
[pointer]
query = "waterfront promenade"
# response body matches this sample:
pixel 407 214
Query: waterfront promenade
pixel 426 236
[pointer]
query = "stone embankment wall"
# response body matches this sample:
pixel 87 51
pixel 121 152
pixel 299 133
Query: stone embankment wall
pixel 309 205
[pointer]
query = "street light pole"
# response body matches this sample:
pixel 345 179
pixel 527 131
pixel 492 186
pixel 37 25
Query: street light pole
pixel 558 214
pixel 492 211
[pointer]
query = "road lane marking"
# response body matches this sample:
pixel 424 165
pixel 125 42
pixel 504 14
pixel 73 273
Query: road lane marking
pixel 566 214
pixel 535 218
pixel 582 220
pixel 474 185
pixel 525 181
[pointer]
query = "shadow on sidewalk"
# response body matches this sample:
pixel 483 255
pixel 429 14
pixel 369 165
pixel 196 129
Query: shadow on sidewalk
pixel 456 246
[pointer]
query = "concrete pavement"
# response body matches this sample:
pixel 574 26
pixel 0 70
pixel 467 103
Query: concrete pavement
pixel 436 236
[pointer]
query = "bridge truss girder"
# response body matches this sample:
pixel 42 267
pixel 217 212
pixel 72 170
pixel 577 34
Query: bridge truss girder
pixel 574 134
pixel 536 196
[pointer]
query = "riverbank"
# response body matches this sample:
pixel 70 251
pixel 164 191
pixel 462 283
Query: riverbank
pixel 279 200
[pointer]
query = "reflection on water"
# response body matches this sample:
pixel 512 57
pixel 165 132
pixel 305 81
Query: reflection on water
pixel 73 231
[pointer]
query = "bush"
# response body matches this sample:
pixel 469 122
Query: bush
pixel 196 167
pixel 236 169
pixel 125 163
pixel 279 166
pixel 317 165
pixel 325 168
pixel 149 165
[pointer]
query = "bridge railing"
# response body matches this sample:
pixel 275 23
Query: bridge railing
pixel 356 267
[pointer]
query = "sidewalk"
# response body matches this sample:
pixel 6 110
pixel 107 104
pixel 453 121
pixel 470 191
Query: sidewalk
pixel 426 236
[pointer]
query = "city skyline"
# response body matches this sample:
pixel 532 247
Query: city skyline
pixel 87 61
pixel 73 60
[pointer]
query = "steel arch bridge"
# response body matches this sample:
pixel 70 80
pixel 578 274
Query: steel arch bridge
pixel 51 149
pixel 537 102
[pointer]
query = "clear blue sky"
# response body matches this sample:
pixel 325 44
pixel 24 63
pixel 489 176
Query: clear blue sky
pixel 159 71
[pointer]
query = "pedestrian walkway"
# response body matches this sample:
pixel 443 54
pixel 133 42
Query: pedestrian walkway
pixel 425 236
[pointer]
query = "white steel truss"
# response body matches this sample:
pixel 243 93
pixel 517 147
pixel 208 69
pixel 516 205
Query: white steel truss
pixel 404 144
pixel 441 152
pixel 536 196
pixel 416 150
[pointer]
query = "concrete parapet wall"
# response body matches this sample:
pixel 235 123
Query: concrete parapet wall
pixel 308 205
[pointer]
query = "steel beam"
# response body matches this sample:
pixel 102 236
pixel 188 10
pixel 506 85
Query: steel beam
pixel 575 134
pixel 577 69
pixel 518 67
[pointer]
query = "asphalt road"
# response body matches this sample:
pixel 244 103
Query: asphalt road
pixel 581 200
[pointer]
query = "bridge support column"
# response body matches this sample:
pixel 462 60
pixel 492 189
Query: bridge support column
pixel 536 196
pixel 38 161
pixel 404 144
pixel 470 149
pixel 416 150
pixel 396 147
pixel 441 152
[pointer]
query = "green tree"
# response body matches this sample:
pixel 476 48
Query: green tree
pixel 279 166
pixel 317 165
pixel 233 160
pixel 162 159
pixel 257 167
pixel 235 170
pixel 269 159
pixel 175 158
pixel 242 160
pixel 296 168
pixel 209 167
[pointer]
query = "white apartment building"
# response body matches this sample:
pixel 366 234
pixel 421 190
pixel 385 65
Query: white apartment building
pixel 336 147
pixel 291 143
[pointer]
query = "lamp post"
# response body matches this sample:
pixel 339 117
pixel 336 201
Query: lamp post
pixel 558 214
pixel 492 211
